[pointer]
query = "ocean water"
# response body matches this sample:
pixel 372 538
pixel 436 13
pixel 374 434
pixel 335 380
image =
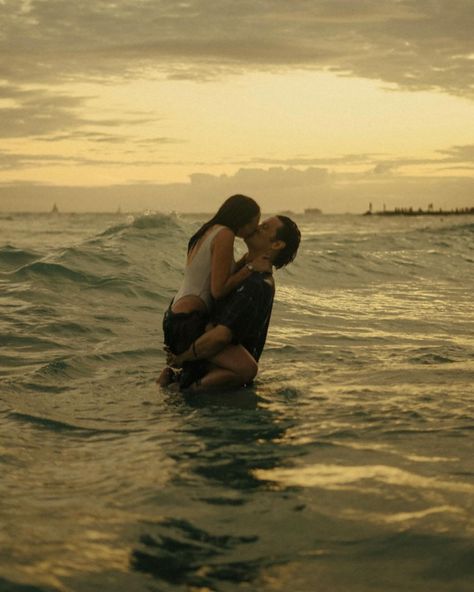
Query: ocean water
pixel 347 466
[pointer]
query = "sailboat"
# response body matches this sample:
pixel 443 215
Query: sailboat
pixel 55 209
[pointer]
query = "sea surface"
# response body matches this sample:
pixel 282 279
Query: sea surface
pixel 347 467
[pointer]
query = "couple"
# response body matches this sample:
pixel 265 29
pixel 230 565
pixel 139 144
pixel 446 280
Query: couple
pixel 216 325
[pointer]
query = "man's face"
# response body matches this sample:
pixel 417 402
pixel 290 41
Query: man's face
pixel 265 234
pixel 249 228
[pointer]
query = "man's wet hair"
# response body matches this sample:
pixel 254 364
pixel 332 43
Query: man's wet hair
pixel 290 234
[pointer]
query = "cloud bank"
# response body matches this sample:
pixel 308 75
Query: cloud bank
pixel 413 44
pixel 458 157
pixel 45 45
pixel 276 189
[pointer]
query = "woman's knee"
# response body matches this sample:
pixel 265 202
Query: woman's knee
pixel 237 360
pixel 249 371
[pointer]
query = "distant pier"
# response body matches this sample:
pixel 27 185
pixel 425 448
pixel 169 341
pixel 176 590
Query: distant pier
pixel 420 212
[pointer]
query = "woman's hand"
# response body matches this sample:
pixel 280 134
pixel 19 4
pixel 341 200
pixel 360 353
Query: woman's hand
pixel 173 360
pixel 262 263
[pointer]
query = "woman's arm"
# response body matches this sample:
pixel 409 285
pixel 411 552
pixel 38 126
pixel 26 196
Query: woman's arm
pixel 222 282
pixel 241 262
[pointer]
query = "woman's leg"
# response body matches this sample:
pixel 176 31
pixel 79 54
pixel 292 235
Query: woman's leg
pixel 180 329
pixel 233 367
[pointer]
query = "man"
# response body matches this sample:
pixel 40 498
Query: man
pixel 244 316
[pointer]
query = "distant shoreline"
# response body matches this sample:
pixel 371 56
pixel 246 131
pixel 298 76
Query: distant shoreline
pixel 420 212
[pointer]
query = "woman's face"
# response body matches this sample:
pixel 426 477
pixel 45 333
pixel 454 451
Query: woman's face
pixel 249 228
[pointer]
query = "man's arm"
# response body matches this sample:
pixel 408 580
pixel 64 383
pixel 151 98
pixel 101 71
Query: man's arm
pixel 233 323
pixel 205 347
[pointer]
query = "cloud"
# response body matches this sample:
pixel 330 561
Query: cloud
pixel 102 137
pixel 411 44
pixel 251 172
pixel 459 156
pixel 383 168
pixel 345 159
pixel 39 112
pixel 52 116
pixel 87 136
pixel 459 153
pixel 36 112
pixel 14 161
pixel 276 189
pixel 404 44
pixel 159 140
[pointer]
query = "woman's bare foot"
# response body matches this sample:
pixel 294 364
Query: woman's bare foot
pixel 166 377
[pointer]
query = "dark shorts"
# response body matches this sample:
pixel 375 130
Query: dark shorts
pixel 180 330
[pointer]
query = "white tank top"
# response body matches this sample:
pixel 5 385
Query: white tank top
pixel 197 273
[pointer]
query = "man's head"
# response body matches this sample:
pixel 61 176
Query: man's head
pixel 279 237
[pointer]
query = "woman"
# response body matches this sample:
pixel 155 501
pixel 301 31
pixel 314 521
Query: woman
pixel 211 273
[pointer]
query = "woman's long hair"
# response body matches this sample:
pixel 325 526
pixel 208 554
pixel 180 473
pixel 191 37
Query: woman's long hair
pixel 235 212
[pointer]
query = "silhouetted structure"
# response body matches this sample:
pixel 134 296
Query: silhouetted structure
pixel 419 212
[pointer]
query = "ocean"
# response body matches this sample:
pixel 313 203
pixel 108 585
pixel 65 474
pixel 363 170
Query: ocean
pixel 347 466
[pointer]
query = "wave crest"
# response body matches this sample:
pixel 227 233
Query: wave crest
pixel 146 221
pixel 12 257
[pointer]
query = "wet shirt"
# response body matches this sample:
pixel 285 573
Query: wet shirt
pixel 247 311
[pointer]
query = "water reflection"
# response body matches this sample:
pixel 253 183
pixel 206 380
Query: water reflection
pixel 184 554
pixel 223 533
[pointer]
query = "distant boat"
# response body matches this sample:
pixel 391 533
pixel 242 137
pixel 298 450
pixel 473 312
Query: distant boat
pixel 55 209
pixel 313 211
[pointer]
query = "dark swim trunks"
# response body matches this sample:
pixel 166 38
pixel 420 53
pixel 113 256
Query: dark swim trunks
pixel 180 330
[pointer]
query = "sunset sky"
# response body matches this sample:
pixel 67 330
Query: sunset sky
pixel 174 105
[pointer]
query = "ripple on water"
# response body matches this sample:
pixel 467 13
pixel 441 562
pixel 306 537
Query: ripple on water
pixel 63 427
pixel 177 552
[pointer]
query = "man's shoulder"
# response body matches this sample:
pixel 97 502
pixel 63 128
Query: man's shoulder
pixel 260 279
pixel 260 287
pixel 257 284
pixel 257 289
pixel 266 281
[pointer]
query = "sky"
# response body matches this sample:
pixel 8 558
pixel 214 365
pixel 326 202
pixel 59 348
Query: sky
pixel 169 105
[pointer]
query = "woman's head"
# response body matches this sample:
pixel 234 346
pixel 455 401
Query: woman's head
pixel 239 213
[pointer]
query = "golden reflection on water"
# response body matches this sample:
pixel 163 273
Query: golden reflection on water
pixel 335 477
pixel 414 300
pixel 79 556
pixel 86 551
pixel 401 517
